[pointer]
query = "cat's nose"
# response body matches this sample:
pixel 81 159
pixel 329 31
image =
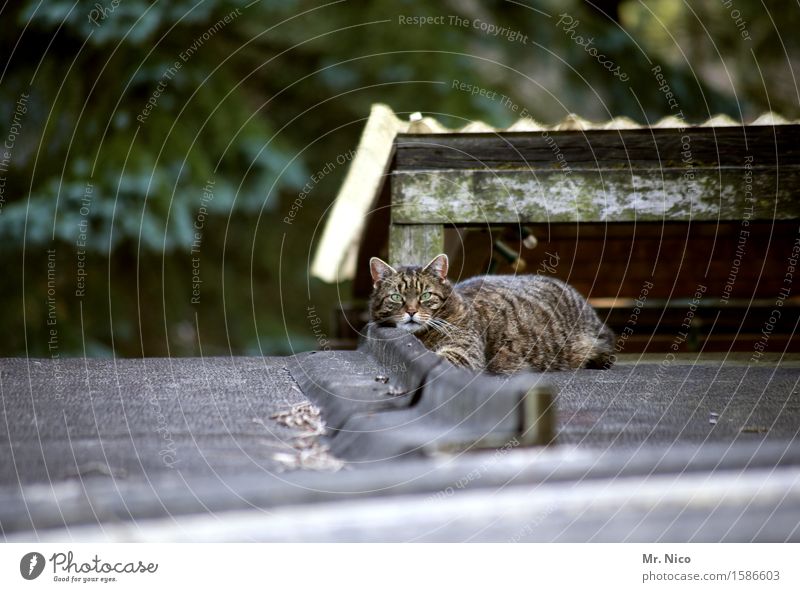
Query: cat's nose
pixel 411 311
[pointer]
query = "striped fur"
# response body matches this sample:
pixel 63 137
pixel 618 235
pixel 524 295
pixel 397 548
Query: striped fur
pixel 501 324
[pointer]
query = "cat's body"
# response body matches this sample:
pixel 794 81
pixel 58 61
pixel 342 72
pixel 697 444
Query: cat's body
pixel 501 324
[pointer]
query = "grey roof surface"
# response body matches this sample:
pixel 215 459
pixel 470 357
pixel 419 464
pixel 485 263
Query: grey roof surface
pixel 84 444
pixel 681 401
pixel 130 419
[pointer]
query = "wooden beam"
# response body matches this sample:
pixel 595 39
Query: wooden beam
pixel 702 147
pixel 590 195
pixel 415 244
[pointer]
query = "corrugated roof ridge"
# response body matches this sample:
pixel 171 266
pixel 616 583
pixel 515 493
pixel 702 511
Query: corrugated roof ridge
pixel 574 121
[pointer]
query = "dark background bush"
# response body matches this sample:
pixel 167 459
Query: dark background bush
pixel 263 104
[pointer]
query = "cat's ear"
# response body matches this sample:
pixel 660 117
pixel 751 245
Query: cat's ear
pixel 379 269
pixel 438 266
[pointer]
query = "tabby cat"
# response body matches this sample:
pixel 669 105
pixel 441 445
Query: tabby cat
pixel 500 324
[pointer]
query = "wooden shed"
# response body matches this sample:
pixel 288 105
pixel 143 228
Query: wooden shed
pixel 684 237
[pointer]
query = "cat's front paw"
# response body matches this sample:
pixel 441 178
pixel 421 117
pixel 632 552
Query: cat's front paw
pixel 458 357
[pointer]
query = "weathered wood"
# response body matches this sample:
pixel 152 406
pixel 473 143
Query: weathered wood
pixel 626 149
pixel 477 196
pixel 538 417
pixel 140 510
pixel 415 244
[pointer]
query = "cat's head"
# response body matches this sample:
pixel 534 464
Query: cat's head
pixel 409 297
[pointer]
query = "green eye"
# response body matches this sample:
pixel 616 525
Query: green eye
pixel 396 297
pixel 425 296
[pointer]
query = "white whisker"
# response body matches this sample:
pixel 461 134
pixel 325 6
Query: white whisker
pixel 441 326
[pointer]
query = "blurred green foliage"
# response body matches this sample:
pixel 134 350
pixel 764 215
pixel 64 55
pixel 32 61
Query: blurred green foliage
pixel 268 93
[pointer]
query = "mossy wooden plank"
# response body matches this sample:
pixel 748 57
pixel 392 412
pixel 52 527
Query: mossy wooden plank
pixel 734 146
pixel 464 197
pixel 415 244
